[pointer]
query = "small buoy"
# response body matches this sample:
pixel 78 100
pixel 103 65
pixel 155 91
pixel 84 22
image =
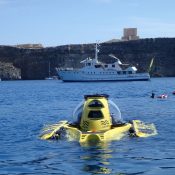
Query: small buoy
pixel 162 96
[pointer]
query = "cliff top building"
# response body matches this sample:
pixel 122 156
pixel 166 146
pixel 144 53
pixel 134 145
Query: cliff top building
pixel 29 46
pixel 129 34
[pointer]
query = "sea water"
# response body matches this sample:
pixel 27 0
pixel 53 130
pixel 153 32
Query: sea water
pixel 27 106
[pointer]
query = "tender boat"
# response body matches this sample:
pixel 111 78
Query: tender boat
pixel 93 70
pixel 97 119
pixel 51 78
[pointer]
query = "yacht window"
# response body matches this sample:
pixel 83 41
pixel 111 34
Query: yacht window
pixel 124 72
pixel 106 65
pixel 95 103
pixel 130 72
pixel 95 115
pixel 89 64
pixel 113 65
pixel 118 72
pixel 97 66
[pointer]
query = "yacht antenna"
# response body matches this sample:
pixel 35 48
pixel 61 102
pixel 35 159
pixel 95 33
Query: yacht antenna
pixel 96 52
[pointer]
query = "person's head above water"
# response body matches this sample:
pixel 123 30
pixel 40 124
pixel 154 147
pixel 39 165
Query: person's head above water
pixel 152 95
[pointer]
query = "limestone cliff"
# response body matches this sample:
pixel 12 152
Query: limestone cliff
pixel 9 72
pixel 34 63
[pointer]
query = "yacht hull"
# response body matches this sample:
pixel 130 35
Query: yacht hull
pixel 75 76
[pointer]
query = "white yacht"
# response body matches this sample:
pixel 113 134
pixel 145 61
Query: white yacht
pixel 93 70
pixel 51 77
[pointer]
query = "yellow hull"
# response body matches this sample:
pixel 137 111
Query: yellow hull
pixel 72 133
pixel 115 133
pixel 97 123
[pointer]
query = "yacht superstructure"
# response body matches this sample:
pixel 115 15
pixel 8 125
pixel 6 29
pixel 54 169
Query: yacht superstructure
pixel 93 70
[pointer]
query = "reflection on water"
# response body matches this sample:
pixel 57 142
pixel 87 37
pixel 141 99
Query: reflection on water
pixel 97 169
pixel 97 158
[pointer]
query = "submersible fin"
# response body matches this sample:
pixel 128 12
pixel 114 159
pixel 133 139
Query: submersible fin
pixel 142 129
pixel 50 131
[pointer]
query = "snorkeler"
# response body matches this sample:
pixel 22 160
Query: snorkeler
pixel 152 95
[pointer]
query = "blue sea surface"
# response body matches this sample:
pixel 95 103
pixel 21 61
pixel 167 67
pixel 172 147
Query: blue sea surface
pixel 27 106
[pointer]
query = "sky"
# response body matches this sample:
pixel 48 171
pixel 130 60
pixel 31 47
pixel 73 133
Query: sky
pixel 61 22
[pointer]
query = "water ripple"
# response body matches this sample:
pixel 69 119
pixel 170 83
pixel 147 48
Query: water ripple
pixel 26 106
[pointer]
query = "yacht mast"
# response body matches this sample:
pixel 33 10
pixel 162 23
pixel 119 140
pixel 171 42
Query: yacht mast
pixel 96 53
pixel 49 68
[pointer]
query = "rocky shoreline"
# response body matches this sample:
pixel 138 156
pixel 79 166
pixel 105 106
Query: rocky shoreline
pixel 33 63
pixel 9 72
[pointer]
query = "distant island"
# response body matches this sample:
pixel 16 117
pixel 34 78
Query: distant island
pixel 31 61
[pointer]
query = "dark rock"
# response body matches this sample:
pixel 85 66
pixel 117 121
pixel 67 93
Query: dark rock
pixel 34 63
pixel 9 72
